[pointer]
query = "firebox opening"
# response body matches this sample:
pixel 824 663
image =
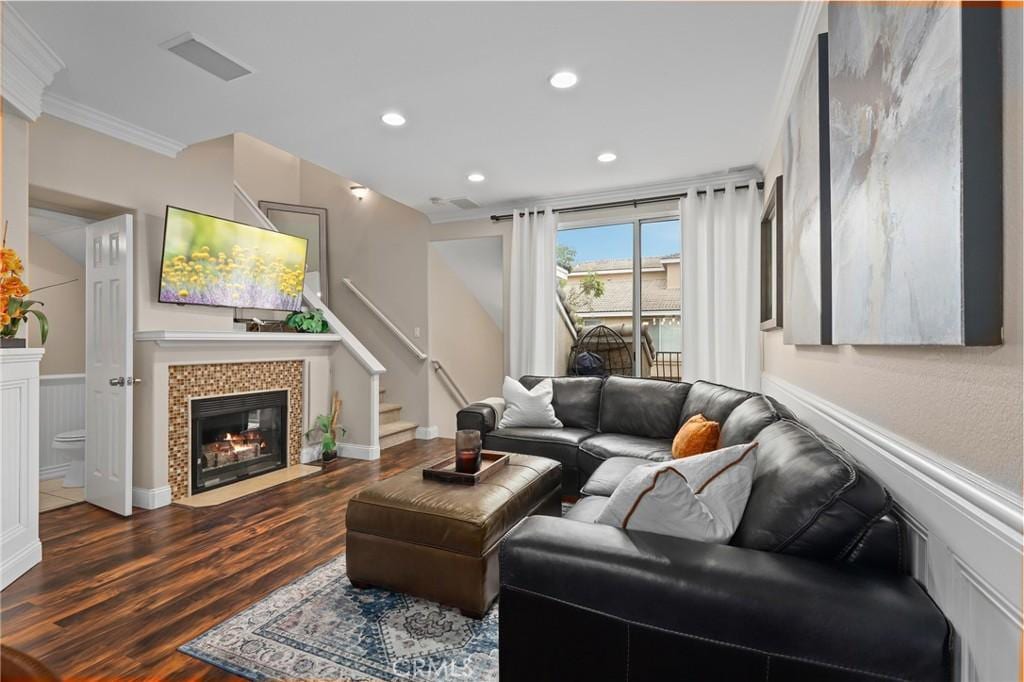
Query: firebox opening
pixel 236 437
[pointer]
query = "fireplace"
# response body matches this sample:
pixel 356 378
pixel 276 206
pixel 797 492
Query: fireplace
pixel 238 436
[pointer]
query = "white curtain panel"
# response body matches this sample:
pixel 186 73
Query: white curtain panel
pixel 720 275
pixel 532 298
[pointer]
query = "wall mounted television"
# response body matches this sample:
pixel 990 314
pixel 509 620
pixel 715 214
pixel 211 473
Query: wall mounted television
pixel 217 262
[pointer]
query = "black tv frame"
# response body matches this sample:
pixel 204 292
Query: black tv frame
pixel 163 252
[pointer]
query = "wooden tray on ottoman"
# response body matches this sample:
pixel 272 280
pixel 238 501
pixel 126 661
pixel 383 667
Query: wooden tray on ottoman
pixel 444 471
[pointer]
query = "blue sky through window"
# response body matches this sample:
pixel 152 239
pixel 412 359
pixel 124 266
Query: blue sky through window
pixel 616 241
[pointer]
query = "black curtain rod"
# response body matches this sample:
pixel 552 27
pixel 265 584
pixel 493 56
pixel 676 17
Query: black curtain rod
pixel 619 204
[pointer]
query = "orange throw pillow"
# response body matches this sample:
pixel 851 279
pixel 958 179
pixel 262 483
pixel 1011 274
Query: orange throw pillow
pixel 697 436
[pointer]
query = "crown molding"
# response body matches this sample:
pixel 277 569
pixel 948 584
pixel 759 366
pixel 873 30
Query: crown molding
pixel 94 119
pixel 625 193
pixel 29 65
pixel 800 45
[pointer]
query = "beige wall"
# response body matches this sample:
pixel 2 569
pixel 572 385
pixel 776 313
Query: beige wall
pixel 465 339
pixel 381 245
pixel 266 172
pixel 484 227
pixel 963 404
pixel 77 161
pixel 64 307
pixel 14 210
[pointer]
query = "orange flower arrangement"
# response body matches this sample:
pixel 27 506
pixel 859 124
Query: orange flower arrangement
pixel 13 305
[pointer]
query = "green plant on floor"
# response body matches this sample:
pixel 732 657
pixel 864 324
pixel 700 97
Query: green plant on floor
pixel 308 322
pixel 326 427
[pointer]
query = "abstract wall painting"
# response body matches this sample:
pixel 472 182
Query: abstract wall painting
pixel 916 173
pixel 806 238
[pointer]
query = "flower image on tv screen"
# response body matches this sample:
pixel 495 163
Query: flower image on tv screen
pixel 212 261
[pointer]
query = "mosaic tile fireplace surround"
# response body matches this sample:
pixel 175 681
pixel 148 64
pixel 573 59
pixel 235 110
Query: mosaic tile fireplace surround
pixel 188 382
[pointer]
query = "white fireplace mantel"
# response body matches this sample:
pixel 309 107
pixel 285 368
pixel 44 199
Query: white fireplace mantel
pixel 169 337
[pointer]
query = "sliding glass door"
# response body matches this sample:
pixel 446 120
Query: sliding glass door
pixel 595 286
pixel 619 298
pixel 661 297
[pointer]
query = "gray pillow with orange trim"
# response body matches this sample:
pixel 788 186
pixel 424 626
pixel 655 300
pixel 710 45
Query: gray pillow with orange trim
pixel 701 497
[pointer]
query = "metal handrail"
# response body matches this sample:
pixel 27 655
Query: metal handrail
pixel 450 383
pixel 420 355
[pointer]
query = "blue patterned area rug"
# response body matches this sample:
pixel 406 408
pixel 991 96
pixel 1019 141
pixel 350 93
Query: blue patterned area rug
pixel 321 628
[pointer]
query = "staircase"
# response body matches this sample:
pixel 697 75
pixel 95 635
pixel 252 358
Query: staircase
pixel 393 431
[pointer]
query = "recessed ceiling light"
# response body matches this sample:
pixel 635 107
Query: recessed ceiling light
pixel 393 118
pixel 563 80
pixel 476 177
pixel 606 157
pixel 359 191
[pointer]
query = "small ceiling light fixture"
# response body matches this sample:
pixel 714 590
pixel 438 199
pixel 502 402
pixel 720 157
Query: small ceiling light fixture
pixel 606 157
pixel 360 192
pixel 563 80
pixel 393 118
pixel 476 177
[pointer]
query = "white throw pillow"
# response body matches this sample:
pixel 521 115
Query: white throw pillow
pixel 701 497
pixel 528 408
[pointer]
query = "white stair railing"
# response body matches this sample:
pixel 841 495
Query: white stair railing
pixel 406 341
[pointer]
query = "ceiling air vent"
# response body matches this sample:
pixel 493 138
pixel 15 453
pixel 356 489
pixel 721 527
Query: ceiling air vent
pixel 464 203
pixel 200 52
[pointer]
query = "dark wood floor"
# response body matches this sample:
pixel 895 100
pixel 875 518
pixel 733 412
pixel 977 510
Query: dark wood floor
pixel 115 597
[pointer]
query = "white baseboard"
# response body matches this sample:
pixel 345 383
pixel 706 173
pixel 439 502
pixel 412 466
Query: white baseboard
pixel 55 471
pixel 151 498
pixel 354 451
pixel 427 432
pixel 964 531
pixel 14 566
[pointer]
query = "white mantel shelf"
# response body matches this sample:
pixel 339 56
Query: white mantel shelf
pixel 168 337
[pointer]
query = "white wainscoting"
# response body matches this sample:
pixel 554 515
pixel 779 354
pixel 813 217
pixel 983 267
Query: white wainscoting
pixel 61 408
pixel 20 549
pixel 965 533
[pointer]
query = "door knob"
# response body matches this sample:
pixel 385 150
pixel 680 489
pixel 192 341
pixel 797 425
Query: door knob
pixel 132 380
pixel 119 381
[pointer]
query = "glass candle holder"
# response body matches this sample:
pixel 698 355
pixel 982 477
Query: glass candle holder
pixel 467 451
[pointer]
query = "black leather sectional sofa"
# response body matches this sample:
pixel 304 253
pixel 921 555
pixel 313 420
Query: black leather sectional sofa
pixel 811 587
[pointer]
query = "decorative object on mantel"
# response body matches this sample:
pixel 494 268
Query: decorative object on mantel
pixel 772 229
pixel 310 223
pixel 308 322
pixel 916 161
pixel 13 305
pixel 255 324
pixel 326 426
pixel 807 251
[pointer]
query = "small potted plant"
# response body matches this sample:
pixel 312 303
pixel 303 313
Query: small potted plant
pixel 14 307
pixel 325 426
pixel 308 322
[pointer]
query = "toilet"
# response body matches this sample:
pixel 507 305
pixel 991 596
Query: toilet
pixel 71 444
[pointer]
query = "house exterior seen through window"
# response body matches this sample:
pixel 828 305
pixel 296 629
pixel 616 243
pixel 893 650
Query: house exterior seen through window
pixel 613 278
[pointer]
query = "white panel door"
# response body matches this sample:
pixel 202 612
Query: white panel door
pixel 108 364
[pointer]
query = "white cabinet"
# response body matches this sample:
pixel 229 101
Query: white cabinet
pixel 19 462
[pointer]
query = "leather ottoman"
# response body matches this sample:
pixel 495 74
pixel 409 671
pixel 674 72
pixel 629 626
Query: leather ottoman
pixel 439 541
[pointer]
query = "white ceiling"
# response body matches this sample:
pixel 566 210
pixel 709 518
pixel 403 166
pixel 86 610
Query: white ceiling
pixel 676 89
